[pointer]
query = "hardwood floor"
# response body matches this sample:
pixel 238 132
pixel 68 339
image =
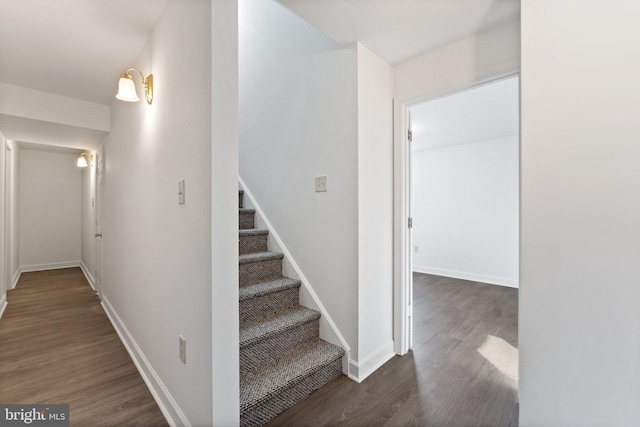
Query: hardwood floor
pixel 447 379
pixel 58 346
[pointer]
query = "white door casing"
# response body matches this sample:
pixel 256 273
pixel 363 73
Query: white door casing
pixel 402 277
pixel 99 211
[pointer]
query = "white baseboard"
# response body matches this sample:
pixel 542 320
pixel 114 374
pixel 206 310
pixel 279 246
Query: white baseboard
pixel 50 266
pixel 492 280
pixel 166 402
pixel 359 371
pixel 15 278
pixel 3 304
pixel 88 275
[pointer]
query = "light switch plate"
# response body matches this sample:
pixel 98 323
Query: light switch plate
pixel 181 192
pixel 321 184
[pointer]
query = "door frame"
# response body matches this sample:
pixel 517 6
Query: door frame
pixel 402 254
pixel 99 219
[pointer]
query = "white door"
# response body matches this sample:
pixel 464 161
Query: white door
pixel 99 210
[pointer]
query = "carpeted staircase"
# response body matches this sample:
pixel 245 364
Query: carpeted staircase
pixel 282 358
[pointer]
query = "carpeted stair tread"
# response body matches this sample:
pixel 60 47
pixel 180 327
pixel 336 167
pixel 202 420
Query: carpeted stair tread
pixel 264 328
pixel 282 373
pixel 264 288
pixel 246 211
pixel 253 232
pixel 260 256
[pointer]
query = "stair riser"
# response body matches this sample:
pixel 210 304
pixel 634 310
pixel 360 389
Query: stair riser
pixel 253 243
pixel 240 201
pixel 247 220
pixel 262 271
pixel 259 307
pixel 269 408
pixel 257 354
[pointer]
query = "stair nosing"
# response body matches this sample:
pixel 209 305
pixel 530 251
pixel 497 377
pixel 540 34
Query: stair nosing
pixel 274 326
pixel 283 380
pixel 246 210
pixel 259 257
pixel 285 283
pixel 253 231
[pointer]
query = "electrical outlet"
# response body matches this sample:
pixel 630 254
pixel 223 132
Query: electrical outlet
pixel 321 184
pixel 182 352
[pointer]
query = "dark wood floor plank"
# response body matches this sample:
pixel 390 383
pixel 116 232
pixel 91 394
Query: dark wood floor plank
pixel 444 380
pixel 58 346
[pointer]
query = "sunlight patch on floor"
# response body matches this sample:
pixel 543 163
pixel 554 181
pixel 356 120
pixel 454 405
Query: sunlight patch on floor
pixel 502 355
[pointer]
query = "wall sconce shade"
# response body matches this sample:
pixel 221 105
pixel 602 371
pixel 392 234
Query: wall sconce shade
pixel 85 159
pixel 127 89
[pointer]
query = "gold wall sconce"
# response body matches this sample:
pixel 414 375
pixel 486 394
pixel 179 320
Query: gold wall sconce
pixel 127 89
pixel 85 159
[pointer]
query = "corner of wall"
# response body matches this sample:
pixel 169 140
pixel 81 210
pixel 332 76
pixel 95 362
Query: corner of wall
pixel 88 275
pixel 361 369
pixel 15 278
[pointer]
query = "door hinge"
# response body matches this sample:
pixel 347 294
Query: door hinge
pixel 410 222
pixel 410 135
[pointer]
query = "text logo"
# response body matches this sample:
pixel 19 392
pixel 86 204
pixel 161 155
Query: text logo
pixel 34 415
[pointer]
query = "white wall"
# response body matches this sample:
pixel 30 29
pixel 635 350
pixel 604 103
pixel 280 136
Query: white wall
pixel 580 264
pixel 464 205
pixel 375 212
pixel 12 214
pixel 158 254
pixel 49 200
pixel 88 221
pixel 298 120
pixel 480 57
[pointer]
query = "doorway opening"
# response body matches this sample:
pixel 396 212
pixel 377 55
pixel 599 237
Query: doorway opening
pixel 458 252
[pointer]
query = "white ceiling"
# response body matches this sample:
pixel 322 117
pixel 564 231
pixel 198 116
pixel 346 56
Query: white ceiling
pixel 398 30
pixel 78 48
pixel 75 48
pixel 43 132
pixel 486 112
pixel 50 148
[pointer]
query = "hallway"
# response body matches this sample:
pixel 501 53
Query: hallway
pixel 57 346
